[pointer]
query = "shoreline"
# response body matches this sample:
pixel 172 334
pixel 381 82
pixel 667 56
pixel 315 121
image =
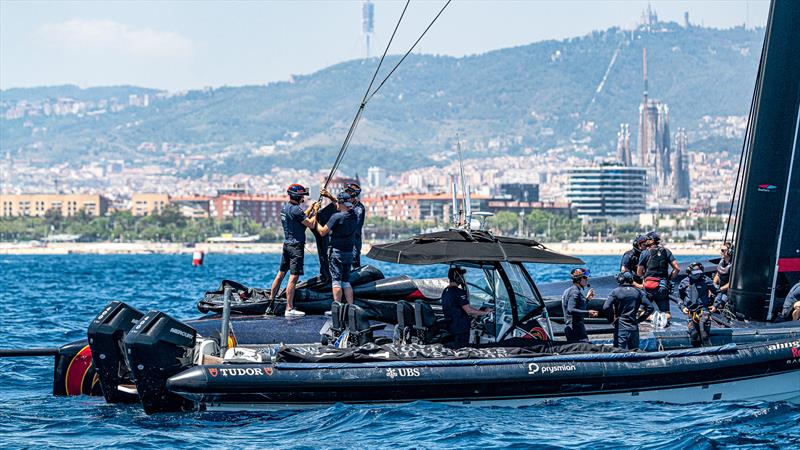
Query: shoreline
pixel 144 248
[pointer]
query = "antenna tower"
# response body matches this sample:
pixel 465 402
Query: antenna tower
pixel 367 21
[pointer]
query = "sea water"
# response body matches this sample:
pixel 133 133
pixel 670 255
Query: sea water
pixel 49 300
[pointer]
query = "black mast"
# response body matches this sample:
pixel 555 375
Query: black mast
pixel 770 204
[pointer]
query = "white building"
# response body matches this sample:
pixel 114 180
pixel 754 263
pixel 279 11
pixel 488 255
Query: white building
pixel 603 192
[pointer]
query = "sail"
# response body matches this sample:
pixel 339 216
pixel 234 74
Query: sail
pixel 768 233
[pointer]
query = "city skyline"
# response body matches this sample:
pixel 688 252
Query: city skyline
pixel 176 45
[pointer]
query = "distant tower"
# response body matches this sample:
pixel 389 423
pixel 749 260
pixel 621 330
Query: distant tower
pixel 681 182
pixel 624 145
pixel 686 23
pixel 654 139
pixel 367 21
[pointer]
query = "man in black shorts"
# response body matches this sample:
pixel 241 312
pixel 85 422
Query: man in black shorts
pixel 294 221
pixel 342 227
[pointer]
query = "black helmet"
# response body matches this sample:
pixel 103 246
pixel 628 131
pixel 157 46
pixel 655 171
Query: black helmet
pixel 353 189
pixel 297 191
pixel 693 267
pixel 578 273
pixel 653 235
pixel 625 278
pixel 639 240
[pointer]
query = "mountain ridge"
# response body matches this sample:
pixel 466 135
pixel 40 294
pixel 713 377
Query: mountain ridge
pixel 524 98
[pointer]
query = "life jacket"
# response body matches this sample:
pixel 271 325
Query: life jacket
pixel 657 263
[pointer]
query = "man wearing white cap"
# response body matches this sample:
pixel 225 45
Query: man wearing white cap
pixel 342 227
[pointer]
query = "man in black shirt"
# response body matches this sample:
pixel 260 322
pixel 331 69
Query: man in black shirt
pixel 456 307
pixel 342 227
pixel 654 265
pixel 630 259
pixel 294 221
pixel 622 306
pixel 575 306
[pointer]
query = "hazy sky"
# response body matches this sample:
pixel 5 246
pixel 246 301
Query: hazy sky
pixel 191 44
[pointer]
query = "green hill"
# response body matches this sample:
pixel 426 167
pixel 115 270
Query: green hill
pixel 533 96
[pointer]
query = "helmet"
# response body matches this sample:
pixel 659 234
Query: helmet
pixel 296 191
pixel 695 270
pixel 639 240
pixel 625 278
pixel 353 189
pixel 653 235
pixel 577 274
pixel 345 199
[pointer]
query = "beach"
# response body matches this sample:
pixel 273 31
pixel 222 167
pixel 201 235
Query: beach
pixel 114 248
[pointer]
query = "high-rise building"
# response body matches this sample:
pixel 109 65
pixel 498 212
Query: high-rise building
pixel 681 183
pixel 376 177
pixel 607 191
pixel 624 145
pixel 654 140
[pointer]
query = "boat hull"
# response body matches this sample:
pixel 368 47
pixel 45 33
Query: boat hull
pixel 730 373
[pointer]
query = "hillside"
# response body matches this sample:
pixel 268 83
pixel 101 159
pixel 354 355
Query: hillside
pixel 535 96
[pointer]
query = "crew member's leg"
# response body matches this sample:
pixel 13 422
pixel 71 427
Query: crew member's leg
pixel 296 263
pixel 346 287
pixel 284 267
pixel 795 315
pixel 662 301
pixel 357 255
pixel 705 329
pixel 694 329
pixel 335 267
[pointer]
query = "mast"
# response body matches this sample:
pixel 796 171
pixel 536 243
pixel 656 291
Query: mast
pixel 767 239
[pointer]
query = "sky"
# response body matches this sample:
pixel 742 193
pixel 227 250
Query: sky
pixel 178 45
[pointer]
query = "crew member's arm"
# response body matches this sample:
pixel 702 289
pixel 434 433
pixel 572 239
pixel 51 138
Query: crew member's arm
pixel 324 192
pixel 626 258
pixel 676 269
pixel 642 263
pixel 608 307
pixel 649 309
pixel 682 294
pixel 473 311
pixel 713 289
pixel 325 229
pixel 572 306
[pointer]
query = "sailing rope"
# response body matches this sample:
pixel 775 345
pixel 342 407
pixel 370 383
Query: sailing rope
pixel 744 157
pixel 370 93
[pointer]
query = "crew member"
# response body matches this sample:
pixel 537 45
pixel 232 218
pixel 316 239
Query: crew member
pixel 574 304
pixel 361 212
pixel 622 307
pixel 654 264
pixel 722 276
pixel 697 292
pixel 791 306
pixel 630 259
pixel 456 307
pixel 342 227
pixel 294 221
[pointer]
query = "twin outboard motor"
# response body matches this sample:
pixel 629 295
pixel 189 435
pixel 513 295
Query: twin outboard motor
pixel 106 333
pixel 157 348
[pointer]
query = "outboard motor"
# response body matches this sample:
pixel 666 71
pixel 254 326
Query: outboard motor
pixel 157 348
pixel 106 333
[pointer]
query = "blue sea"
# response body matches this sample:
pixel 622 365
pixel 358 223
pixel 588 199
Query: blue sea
pixel 49 300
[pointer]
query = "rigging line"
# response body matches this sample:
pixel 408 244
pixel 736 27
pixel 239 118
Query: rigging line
pixel 360 112
pixel 408 52
pixel 747 137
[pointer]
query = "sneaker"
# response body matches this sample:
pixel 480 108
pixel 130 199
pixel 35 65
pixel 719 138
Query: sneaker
pixel 293 313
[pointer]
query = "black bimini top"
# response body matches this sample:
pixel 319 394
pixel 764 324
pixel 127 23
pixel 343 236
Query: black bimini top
pixel 467 245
